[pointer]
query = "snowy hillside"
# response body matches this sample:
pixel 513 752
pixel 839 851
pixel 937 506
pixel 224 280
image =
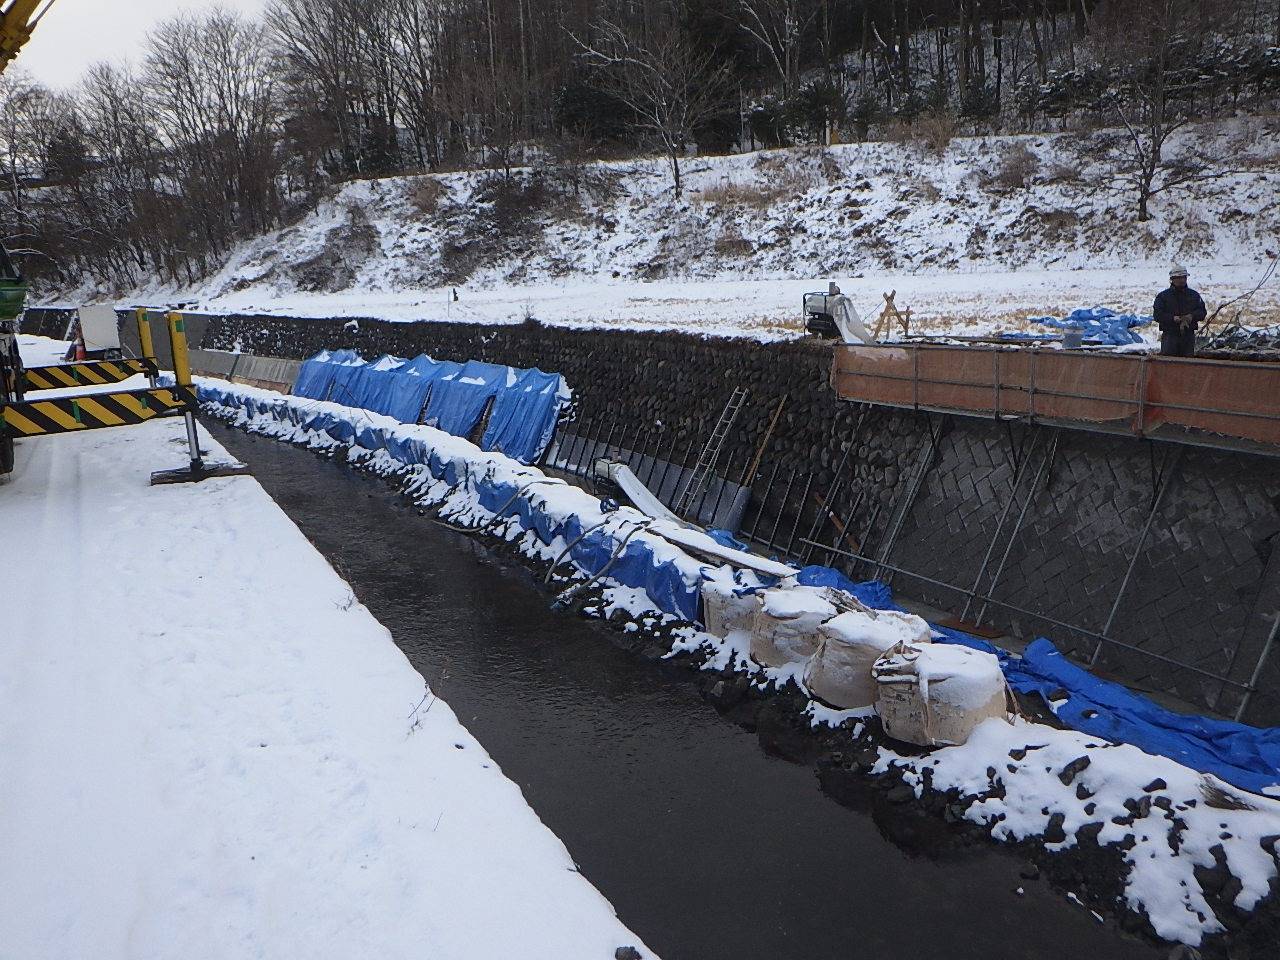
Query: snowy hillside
pixel 985 229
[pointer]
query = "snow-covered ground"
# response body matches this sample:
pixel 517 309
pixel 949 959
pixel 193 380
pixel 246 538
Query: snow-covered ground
pixel 974 238
pixel 210 748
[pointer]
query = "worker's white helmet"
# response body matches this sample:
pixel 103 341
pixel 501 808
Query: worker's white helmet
pixel 1177 270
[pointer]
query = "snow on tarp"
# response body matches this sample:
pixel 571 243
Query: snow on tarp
pixel 458 399
pixel 524 415
pixel 1100 325
pixel 1244 756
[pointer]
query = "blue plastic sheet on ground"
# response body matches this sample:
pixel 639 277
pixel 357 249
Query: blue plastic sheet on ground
pixel 1244 756
pixel 1100 325
pixel 524 415
pixel 458 400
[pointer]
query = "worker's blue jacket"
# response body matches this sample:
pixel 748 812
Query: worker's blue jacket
pixel 1176 302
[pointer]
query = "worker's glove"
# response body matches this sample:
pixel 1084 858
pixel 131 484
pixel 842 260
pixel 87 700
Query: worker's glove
pixel 1182 319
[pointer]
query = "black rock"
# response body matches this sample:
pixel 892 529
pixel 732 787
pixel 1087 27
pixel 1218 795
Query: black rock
pixel 626 953
pixel 1156 784
pixel 1088 833
pixel 1054 833
pixel 1073 768
pixel 1030 872
pixel 900 793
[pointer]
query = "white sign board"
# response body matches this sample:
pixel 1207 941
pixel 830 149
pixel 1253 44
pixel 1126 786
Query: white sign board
pixel 99 327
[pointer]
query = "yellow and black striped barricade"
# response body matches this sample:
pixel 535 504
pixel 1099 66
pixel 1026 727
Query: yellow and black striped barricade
pixel 88 411
pixel 86 373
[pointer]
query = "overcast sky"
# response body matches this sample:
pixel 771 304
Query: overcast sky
pixel 76 33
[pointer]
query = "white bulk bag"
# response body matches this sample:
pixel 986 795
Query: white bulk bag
pixel 785 629
pixel 723 610
pixel 839 672
pixel 936 694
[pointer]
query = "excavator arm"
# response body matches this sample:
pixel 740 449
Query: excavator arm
pixel 17 19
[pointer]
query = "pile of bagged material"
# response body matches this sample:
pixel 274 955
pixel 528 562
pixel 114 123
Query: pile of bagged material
pixel 852 657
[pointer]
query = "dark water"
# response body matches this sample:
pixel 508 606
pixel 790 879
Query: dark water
pixel 706 846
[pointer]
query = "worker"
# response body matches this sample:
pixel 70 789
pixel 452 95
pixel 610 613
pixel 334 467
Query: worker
pixel 1179 310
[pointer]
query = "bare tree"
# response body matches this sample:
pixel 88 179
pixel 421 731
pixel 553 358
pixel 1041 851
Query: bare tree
pixel 779 27
pixel 212 95
pixel 670 85
pixel 1148 46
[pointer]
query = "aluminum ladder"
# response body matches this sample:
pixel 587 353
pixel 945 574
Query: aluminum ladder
pixel 697 480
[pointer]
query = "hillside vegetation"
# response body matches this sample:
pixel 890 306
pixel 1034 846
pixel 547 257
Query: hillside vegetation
pixel 989 203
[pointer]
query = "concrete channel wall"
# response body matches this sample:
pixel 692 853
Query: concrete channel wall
pixel 1171 551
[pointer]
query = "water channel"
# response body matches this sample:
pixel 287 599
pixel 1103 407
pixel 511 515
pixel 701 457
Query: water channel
pixel 708 847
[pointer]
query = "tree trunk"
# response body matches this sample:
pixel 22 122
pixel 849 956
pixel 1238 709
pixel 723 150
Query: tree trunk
pixel 904 45
pixel 997 47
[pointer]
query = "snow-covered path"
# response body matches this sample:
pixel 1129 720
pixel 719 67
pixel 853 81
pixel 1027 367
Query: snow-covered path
pixel 209 748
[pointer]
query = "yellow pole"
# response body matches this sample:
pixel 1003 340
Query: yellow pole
pixel 182 377
pixel 178 347
pixel 145 344
pixel 144 334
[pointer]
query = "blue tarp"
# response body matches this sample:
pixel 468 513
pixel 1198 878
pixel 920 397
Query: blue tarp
pixel 370 385
pixel 524 415
pixel 444 394
pixel 316 374
pixel 412 385
pixel 458 399
pixel 726 539
pixel 635 567
pixel 342 379
pixel 1247 757
pixel 1100 325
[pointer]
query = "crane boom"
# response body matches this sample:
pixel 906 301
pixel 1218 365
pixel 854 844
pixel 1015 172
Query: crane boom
pixel 17 19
